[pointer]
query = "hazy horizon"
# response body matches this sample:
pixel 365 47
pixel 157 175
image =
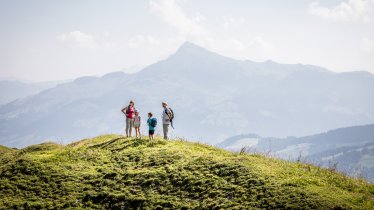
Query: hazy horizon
pixel 62 40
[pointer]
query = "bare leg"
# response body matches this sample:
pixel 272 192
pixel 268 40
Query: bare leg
pixel 131 125
pixel 126 132
pixel 127 127
pixel 138 132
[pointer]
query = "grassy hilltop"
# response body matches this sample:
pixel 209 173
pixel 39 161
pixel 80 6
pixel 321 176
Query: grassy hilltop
pixel 112 172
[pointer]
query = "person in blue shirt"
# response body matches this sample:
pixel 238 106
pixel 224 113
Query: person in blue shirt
pixel 152 123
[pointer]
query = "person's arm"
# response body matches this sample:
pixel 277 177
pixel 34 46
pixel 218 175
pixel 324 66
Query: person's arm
pixel 124 110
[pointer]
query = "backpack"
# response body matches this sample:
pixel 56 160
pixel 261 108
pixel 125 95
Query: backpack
pixel 170 114
pixel 153 122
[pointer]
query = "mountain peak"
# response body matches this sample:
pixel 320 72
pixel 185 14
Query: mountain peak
pixel 190 48
pixel 190 45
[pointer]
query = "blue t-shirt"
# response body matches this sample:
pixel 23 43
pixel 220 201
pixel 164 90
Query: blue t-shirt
pixel 149 124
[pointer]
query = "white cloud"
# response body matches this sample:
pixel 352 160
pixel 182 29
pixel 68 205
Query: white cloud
pixel 349 10
pixel 367 45
pixel 171 13
pixel 192 29
pixel 235 44
pixel 78 39
pixel 229 21
pixel 261 44
pixel 142 40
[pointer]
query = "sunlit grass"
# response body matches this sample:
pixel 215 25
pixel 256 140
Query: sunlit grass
pixel 111 171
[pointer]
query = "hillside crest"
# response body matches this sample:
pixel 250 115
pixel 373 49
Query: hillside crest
pixel 115 172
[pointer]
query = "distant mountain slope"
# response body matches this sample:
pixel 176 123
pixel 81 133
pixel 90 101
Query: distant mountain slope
pixel 112 172
pixel 12 90
pixel 214 97
pixel 351 148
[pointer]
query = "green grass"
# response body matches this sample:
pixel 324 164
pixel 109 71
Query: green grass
pixel 112 172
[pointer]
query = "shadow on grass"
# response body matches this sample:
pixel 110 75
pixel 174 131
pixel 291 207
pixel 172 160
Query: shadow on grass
pixel 133 143
pixel 129 142
pixel 106 144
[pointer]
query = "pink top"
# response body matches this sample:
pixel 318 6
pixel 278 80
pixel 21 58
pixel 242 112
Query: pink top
pixel 130 112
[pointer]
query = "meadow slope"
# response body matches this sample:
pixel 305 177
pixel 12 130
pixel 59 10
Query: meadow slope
pixel 115 172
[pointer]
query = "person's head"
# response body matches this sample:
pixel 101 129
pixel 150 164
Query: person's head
pixel 164 104
pixel 131 103
pixel 150 114
pixel 136 113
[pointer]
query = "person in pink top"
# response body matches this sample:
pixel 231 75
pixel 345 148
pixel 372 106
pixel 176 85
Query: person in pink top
pixel 129 111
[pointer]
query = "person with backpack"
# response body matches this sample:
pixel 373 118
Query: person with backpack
pixel 129 111
pixel 152 123
pixel 167 119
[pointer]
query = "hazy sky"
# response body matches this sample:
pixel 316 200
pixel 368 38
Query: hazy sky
pixel 64 39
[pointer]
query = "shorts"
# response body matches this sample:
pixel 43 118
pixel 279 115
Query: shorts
pixel 151 132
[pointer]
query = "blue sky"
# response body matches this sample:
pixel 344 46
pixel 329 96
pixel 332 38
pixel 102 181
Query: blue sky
pixel 63 39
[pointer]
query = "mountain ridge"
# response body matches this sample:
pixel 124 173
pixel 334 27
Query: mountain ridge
pixel 11 90
pixel 350 148
pixel 221 95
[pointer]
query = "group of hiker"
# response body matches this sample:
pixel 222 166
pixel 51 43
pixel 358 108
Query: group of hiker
pixel 133 120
